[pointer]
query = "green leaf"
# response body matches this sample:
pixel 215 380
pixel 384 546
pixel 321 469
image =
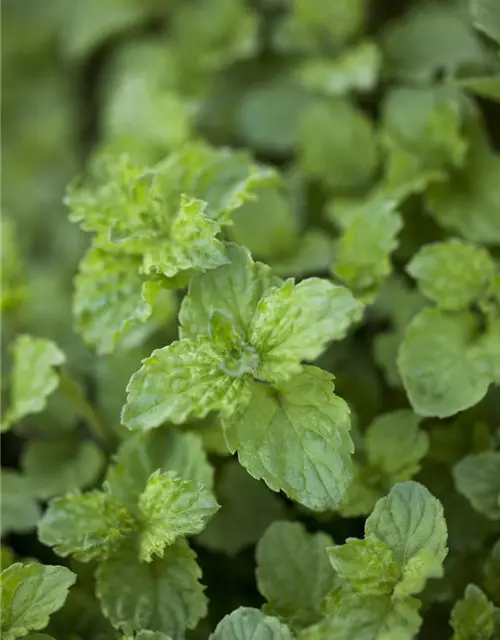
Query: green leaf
pixel 369 566
pixel 250 624
pixel 486 17
pixel 491 572
pixel 453 274
pixel 88 526
pixel 233 289
pixel 311 254
pixel 247 509
pixel 13 276
pixel 169 214
pixel 295 322
pixel 33 377
pixel 337 145
pixel 163 595
pixel 431 37
pixel 30 594
pixel 437 364
pixel 296 438
pixel 357 69
pixel 423 565
pixel 409 520
pixel 369 617
pixel 472 617
pixel 395 444
pixel 369 237
pixel 19 509
pixel 477 477
pixel 171 507
pixel 182 380
pixel 111 298
pixel 467 203
pixel 161 449
pixel 55 468
pixel 293 572
pixel 422 136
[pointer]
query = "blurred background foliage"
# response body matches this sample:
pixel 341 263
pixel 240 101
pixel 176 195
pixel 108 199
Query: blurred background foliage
pixel 349 99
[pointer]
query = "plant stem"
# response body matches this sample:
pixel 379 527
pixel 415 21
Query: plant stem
pixel 73 391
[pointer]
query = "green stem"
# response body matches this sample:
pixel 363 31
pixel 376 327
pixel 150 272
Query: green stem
pixel 73 391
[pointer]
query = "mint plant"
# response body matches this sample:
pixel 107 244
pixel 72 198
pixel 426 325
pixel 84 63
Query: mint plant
pixel 250 320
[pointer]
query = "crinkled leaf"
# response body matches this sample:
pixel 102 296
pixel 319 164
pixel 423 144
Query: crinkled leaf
pixel 33 377
pixel 55 468
pixel 234 289
pixel 247 509
pixel 472 617
pixel 111 298
pixel 184 379
pixel 409 520
pixel 161 449
pixel 423 565
pixel 477 477
pixel 296 438
pixel 171 507
pixel 19 509
pixel 163 595
pixel 436 362
pixel 453 274
pixel 293 572
pixel 250 624
pixel 337 145
pixel 395 444
pixel 369 566
pixel 30 594
pixel 295 322
pixel 88 526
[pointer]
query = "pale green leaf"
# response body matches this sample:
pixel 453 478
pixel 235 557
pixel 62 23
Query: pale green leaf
pixel 477 477
pixel 423 565
pixel 163 595
pixel 293 323
pixel 293 572
pixel 247 509
pixel 161 449
pixel 29 595
pixel 436 362
pixel 111 298
pixel 395 444
pixel 296 438
pixel 233 289
pixel 88 526
pixel 453 274
pixel 362 493
pixel 311 254
pixel 55 468
pixel 363 252
pixel 171 507
pixel 19 509
pixel 184 379
pixel 33 377
pixel 266 236
pixel 486 16
pixel 250 624
pixel 370 617
pixel 468 202
pixel 356 69
pixel 369 566
pixel 409 520
pixel 472 617
pixel 337 145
